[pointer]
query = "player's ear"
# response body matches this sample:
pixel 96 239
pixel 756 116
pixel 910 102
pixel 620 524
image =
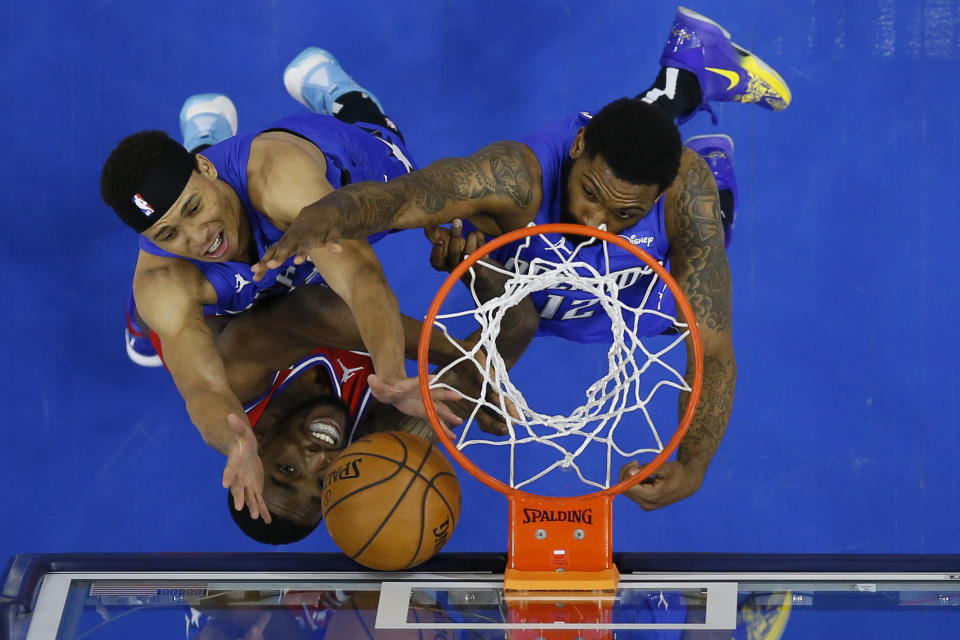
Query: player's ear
pixel 576 148
pixel 205 167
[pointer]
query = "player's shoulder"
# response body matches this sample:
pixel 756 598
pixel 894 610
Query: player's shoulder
pixel 691 205
pixel 693 175
pixel 162 280
pixel 508 149
pixel 153 270
pixel 284 173
pixel 516 170
pixel 276 148
pixel 693 170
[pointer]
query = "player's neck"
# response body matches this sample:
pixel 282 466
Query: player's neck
pixel 248 248
pixel 312 382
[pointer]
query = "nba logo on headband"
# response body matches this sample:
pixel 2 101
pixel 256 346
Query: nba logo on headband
pixel 142 204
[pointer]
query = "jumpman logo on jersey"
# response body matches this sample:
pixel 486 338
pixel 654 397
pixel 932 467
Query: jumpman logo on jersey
pixel 347 371
pixel 241 283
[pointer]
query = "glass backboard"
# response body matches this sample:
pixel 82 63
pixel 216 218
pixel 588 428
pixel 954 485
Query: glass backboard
pixel 310 596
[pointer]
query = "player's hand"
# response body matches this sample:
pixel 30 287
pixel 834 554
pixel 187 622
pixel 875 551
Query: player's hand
pixel 316 227
pixel 243 473
pixel 450 248
pixel 673 481
pixel 404 394
pixel 449 245
pixel 469 379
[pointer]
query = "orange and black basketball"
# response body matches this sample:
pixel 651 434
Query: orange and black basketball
pixel 391 500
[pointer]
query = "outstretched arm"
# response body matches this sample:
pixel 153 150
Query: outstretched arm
pixel 280 330
pixel 699 265
pixel 285 174
pixel 168 299
pixel 518 325
pixel 500 181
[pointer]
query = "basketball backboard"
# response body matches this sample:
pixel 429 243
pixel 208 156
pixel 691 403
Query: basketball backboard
pixel 289 596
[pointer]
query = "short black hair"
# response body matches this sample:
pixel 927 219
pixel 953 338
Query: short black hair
pixel 127 165
pixel 279 531
pixel 143 176
pixel 639 142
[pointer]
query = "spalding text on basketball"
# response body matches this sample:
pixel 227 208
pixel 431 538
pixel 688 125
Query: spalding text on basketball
pixel 440 534
pixel 344 472
pixel 549 515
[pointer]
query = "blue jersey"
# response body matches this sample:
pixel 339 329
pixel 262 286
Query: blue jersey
pixel 577 315
pixel 353 153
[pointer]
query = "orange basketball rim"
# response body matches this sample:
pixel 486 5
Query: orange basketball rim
pixel 560 543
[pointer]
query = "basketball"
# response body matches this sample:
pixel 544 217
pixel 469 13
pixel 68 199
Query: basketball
pixel 390 501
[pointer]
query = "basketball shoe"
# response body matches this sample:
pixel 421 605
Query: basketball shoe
pixel 725 71
pixel 139 348
pixel 206 119
pixel 717 150
pixel 315 79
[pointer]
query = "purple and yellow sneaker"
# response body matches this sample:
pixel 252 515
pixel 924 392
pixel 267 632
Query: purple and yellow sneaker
pixel 726 72
pixel 717 150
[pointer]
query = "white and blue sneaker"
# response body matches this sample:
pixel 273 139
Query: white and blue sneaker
pixel 207 118
pixel 315 79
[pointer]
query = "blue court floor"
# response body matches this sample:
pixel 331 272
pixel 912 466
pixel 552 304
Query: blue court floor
pixel 845 263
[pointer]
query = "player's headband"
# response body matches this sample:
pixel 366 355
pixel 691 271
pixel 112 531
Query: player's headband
pixel 160 188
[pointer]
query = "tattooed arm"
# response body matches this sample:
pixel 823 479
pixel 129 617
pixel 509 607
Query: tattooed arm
pixel 519 325
pixel 699 265
pixel 498 188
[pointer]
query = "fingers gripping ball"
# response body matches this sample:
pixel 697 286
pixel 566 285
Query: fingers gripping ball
pixel 391 500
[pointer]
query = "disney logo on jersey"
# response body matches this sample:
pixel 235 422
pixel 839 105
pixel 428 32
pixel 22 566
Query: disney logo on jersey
pixel 635 239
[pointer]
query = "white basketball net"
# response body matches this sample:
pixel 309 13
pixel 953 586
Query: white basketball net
pixel 606 401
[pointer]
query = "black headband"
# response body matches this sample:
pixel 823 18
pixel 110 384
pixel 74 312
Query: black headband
pixel 160 188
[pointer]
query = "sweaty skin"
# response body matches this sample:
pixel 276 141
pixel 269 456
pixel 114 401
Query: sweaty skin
pixel 498 189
